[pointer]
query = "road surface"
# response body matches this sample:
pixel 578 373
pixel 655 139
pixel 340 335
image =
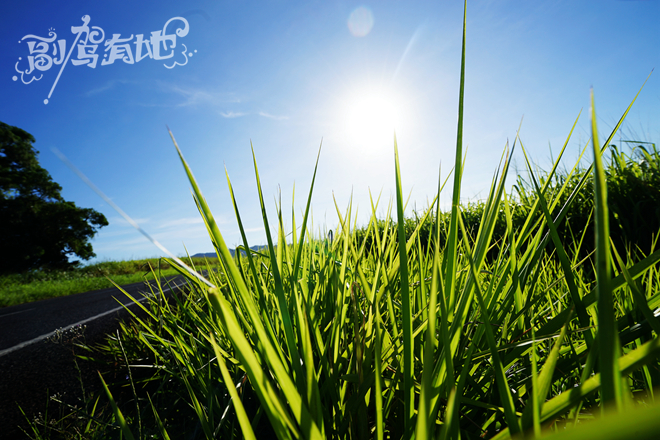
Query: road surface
pixel 31 367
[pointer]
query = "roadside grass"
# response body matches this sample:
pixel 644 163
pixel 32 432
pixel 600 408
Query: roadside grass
pixel 34 286
pixel 325 337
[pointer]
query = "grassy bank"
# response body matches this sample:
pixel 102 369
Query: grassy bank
pixel 38 285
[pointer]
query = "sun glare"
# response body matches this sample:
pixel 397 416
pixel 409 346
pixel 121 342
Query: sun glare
pixel 371 120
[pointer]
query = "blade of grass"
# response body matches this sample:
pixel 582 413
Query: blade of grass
pixel 159 422
pixel 542 385
pixel 608 341
pixel 428 393
pixel 126 431
pixel 452 239
pixel 500 378
pixel 406 312
pixel 243 419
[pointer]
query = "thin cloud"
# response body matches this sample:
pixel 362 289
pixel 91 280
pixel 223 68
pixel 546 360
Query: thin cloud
pixel 132 243
pixel 182 221
pixel 107 86
pixel 123 222
pixel 232 114
pixel 277 118
pixel 194 96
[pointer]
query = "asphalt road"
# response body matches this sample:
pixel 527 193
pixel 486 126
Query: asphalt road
pixel 32 368
pixel 30 323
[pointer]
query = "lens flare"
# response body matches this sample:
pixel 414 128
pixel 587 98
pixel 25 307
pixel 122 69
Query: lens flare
pixel 360 21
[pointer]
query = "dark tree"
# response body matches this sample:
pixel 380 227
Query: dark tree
pixel 38 228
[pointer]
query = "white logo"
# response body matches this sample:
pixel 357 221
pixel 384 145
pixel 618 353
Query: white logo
pixel 47 52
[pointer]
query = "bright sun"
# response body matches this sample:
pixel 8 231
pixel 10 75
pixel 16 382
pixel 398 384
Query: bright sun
pixel 371 119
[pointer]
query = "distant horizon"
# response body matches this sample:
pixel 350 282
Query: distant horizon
pixel 286 77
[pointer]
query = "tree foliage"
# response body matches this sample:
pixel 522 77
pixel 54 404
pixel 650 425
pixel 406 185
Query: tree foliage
pixel 39 229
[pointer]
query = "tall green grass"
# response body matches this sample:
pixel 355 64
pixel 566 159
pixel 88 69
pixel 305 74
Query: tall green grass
pixel 336 341
pixel 633 193
pixel 464 337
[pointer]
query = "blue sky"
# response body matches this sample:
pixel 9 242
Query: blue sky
pixel 285 75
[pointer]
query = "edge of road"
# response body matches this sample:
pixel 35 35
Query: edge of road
pixel 81 322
